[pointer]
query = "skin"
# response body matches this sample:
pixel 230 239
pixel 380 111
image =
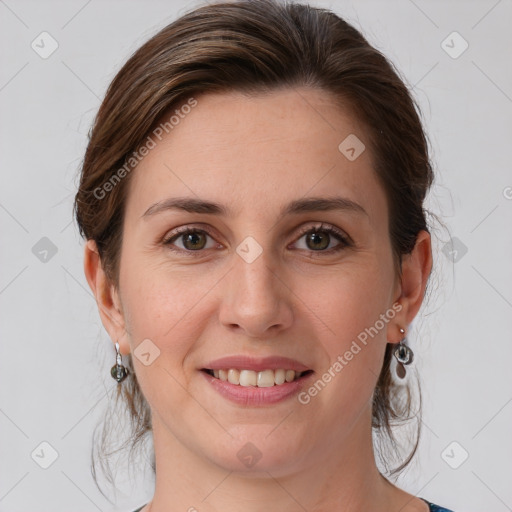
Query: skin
pixel 254 155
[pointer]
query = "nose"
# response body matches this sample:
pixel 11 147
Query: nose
pixel 256 300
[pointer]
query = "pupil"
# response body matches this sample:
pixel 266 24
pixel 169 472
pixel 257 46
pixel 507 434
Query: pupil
pixel 192 237
pixel 316 238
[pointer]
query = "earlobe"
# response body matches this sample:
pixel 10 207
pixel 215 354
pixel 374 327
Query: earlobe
pixel 106 296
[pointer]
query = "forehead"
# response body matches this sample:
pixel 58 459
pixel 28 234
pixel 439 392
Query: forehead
pixel 254 151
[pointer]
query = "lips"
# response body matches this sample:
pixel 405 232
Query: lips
pixel 250 395
pixel 256 381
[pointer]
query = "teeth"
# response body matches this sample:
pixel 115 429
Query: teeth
pixel 290 375
pixel 233 376
pixel 279 376
pixel 263 379
pixel 248 378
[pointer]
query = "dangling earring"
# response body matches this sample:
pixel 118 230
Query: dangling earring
pixel 403 355
pixel 118 371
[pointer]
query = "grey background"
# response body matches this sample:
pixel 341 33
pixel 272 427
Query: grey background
pixel 55 355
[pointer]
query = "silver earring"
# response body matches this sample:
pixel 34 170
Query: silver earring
pixel 403 355
pixel 118 371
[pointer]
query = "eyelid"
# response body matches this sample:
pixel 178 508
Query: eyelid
pixel 322 226
pixel 182 230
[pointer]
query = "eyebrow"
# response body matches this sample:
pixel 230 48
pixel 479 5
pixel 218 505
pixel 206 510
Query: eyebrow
pixel 310 204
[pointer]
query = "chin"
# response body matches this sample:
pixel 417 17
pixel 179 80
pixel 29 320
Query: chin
pixel 257 449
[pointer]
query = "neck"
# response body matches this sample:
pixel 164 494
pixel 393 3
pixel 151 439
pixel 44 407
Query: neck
pixel 343 475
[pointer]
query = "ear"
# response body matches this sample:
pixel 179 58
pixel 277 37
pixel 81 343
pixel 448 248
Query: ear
pixel 107 297
pixel 416 267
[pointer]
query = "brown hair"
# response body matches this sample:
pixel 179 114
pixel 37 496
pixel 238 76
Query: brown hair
pixel 256 46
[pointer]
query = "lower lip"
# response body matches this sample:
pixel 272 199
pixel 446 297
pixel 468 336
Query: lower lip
pixel 253 395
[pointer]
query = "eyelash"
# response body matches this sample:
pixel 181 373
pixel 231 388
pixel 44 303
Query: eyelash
pixel 339 235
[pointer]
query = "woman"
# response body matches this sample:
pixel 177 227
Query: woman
pixel 252 200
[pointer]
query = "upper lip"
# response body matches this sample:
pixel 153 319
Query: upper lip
pixel 256 364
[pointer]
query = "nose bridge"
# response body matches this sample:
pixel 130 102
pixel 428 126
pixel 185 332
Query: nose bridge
pixel 255 276
pixel 256 298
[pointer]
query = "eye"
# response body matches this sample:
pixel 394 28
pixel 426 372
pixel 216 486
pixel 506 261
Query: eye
pixel 193 239
pixel 319 238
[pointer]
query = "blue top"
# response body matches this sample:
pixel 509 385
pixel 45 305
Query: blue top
pixel 433 507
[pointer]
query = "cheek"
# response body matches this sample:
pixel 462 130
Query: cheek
pixel 157 308
pixel 171 308
pixel 161 322
pixel 155 296
pixel 161 307
pixel 350 300
pixel 353 313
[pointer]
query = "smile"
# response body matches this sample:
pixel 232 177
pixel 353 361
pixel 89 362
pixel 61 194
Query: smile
pixel 261 379
pixel 252 388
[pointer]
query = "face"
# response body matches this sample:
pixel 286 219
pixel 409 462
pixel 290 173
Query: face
pixel 268 273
